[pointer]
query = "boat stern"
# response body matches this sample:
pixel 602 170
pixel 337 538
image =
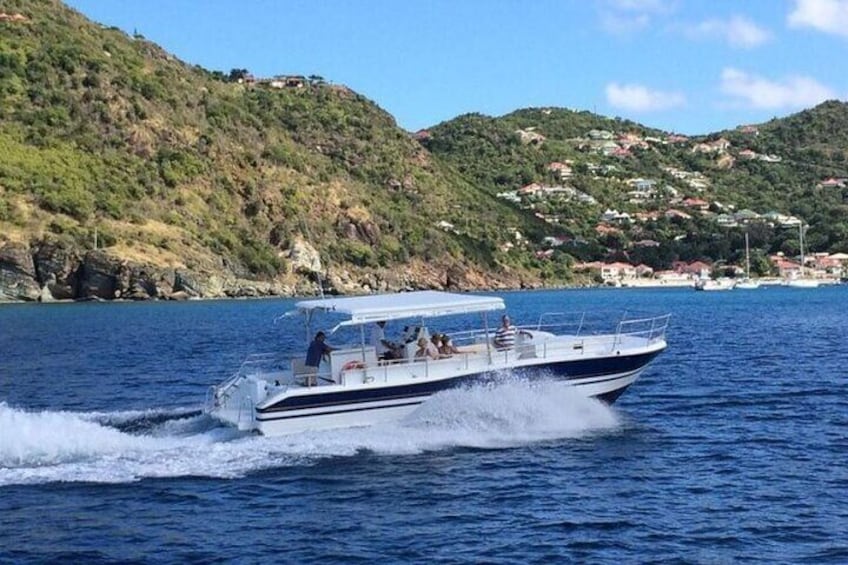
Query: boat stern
pixel 234 401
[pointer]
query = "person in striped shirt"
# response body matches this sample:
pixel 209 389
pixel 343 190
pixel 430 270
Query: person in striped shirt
pixel 505 336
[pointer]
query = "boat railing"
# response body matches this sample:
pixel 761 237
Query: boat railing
pixel 565 334
pixel 255 363
pixel 600 322
pixel 476 347
pixel 650 329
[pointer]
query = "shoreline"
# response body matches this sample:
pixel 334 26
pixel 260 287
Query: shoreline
pixel 625 285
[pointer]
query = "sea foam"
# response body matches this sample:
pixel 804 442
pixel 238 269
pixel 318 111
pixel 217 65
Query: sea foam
pixel 49 446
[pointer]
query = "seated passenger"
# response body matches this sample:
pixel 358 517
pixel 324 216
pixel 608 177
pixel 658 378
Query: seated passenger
pixel 426 349
pixel 436 342
pixel 448 348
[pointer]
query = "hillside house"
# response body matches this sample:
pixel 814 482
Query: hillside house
pixel 672 213
pixel 698 269
pixel 639 196
pixel 829 265
pixel 696 204
pixel 786 268
pixel 647 216
pixel 617 271
pixel 726 221
pixel 561 170
pixel 781 220
pixel 607 148
pixel 746 216
pixel 832 183
pixel 285 81
pixel 718 146
pixel 530 190
pixel 642 184
pixel 510 196
pixel 598 134
pixel 615 217
pixel 646 243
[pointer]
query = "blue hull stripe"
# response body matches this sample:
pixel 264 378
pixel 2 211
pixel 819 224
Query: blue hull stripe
pixel 567 370
pixel 607 398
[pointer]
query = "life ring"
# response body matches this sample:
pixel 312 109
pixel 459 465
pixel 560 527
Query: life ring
pixel 353 365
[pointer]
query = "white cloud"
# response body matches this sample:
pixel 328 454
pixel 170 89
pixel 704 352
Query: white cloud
pixel 642 6
pixel 638 98
pixel 617 24
pixel 623 17
pixel 829 16
pixel 758 92
pixel 738 31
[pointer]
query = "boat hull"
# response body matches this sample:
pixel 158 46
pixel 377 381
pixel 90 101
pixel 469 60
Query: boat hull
pixel 605 379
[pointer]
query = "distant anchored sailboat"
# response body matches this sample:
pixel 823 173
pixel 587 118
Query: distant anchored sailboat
pixel 747 283
pixel 800 280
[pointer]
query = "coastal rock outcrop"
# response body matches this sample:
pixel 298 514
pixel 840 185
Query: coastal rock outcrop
pixel 56 268
pixel 305 258
pixel 99 276
pixel 17 273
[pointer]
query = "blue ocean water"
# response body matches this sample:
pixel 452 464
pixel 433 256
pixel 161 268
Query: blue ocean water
pixel 732 447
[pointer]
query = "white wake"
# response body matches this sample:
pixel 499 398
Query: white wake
pixel 37 447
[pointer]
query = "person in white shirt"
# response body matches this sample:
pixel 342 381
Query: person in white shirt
pixel 386 349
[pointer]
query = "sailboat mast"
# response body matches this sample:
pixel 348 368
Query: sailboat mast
pixel 747 258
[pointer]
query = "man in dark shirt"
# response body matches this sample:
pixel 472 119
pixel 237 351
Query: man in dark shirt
pixel 317 349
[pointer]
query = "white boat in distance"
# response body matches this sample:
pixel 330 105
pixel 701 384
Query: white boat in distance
pixel 272 395
pixel 714 284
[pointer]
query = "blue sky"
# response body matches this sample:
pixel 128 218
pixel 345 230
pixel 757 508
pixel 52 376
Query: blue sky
pixel 691 66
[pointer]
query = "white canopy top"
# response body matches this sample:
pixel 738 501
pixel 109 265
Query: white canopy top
pixel 425 303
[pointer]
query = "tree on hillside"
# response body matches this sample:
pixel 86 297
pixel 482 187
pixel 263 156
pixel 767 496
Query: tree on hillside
pixel 237 75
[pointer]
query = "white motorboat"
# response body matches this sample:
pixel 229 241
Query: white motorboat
pixel 715 284
pixel 276 396
pixel 801 282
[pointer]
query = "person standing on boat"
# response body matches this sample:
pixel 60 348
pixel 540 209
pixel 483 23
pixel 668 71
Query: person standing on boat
pixel 385 349
pixel 505 336
pixel 317 350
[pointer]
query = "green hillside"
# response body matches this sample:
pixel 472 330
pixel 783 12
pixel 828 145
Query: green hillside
pixel 173 164
pixel 775 167
pixel 108 138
